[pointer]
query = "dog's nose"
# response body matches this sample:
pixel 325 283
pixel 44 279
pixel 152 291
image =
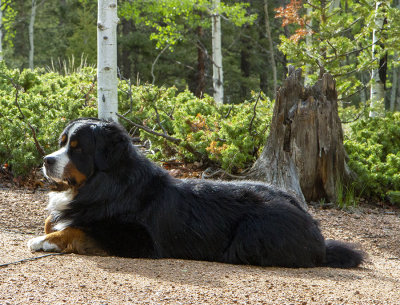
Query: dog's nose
pixel 49 160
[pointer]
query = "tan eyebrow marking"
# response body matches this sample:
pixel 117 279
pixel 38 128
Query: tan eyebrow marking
pixel 63 138
pixel 73 144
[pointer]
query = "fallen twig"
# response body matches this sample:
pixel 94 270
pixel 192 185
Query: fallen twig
pixel 31 259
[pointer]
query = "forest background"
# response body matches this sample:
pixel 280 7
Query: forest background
pixel 164 59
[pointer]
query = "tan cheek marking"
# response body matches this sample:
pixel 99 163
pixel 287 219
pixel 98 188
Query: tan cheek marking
pixel 71 171
pixel 71 240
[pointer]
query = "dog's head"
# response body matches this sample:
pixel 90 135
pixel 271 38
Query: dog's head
pixel 86 145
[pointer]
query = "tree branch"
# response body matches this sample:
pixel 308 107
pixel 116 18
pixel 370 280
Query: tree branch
pixel 155 61
pixel 148 130
pixel 254 113
pixel 176 141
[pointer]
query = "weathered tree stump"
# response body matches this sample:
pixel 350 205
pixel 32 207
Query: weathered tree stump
pixel 304 152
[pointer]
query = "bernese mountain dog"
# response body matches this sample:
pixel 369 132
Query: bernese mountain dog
pixel 117 202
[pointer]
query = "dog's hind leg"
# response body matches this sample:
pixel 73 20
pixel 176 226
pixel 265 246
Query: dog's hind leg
pixel 281 235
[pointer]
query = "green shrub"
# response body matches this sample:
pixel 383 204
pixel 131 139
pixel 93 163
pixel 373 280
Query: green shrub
pixel 223 133
pixel 373 145
pixel 48 100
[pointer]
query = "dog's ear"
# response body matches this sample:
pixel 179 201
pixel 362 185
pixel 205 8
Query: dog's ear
pixel 100 153
pixel 111 144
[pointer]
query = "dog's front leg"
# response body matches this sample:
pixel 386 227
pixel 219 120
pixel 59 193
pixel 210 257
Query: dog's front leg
pixel 69 240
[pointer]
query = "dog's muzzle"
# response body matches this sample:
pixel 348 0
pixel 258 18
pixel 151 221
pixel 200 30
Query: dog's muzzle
pixel 54 164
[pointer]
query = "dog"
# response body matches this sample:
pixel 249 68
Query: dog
pixel 119 203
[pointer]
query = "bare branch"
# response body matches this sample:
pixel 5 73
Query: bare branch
pixel 254 113
pixel 147 129
pixel 176 141
pixel 357 117
pixel 155 61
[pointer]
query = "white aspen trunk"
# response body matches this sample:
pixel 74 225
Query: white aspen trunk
pixel 393 94
pixel 334 4
pixel 1 33
pixel 363 92
pixel 397 100
pixel 395 81
pixel 377 87
pixel 31 42
pixel 271 46
pixel 307 80
pixel 218 80
pixel 107 81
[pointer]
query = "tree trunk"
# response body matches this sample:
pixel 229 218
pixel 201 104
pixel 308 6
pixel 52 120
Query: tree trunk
pixel 304 151
pixel 309 44
pixel 218 80
pixel 377 85
pixel 201 65
pixel 1 33
pixel 31 25
pixel 271 45
pixel 244 67
pixel 126 29
pixel 393 94
pixel 107 81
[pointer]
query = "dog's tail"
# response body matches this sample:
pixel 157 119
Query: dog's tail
pixel 342 255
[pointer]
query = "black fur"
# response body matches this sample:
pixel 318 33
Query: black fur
pixel 134 208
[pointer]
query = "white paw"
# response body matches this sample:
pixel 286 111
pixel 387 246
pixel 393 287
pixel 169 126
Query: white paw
pixel 40 244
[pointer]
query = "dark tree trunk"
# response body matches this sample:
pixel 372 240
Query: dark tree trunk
pixel 125 60
pixel 244 67
pixel 304 151
pixel 201 65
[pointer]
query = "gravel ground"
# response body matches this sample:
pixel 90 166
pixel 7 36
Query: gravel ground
pixel 74 279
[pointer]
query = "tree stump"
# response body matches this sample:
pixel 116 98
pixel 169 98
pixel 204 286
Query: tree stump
pixel 304 152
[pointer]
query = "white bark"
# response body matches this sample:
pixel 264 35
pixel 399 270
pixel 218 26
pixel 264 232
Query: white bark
pixel 334 4
pixel 218 80
pixel 395 81
pixel 394 87
pixel 308 69
pixel 107 81
pixel 271 46
pixel 31 42
pixel 1 33
pixel 377 87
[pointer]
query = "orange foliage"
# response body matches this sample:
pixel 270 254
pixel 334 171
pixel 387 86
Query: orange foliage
pixel 199 124
pixel 290 15
pixel 299 34
pixel 213 148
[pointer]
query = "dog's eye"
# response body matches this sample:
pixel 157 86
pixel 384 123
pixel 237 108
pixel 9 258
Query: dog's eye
pixel 63 140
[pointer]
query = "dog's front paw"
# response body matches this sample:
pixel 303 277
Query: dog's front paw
pixel 41 244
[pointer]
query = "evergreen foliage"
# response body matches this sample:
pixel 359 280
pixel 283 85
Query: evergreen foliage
pixel 45 101
pixel 373 145
pixel 230 136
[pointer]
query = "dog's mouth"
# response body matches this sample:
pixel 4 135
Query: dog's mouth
pixel 70 175
pixel 50 174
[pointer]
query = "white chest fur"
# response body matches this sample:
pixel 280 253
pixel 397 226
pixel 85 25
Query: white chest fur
pixel 58 202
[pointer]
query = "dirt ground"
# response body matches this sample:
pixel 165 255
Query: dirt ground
pixel 74 279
